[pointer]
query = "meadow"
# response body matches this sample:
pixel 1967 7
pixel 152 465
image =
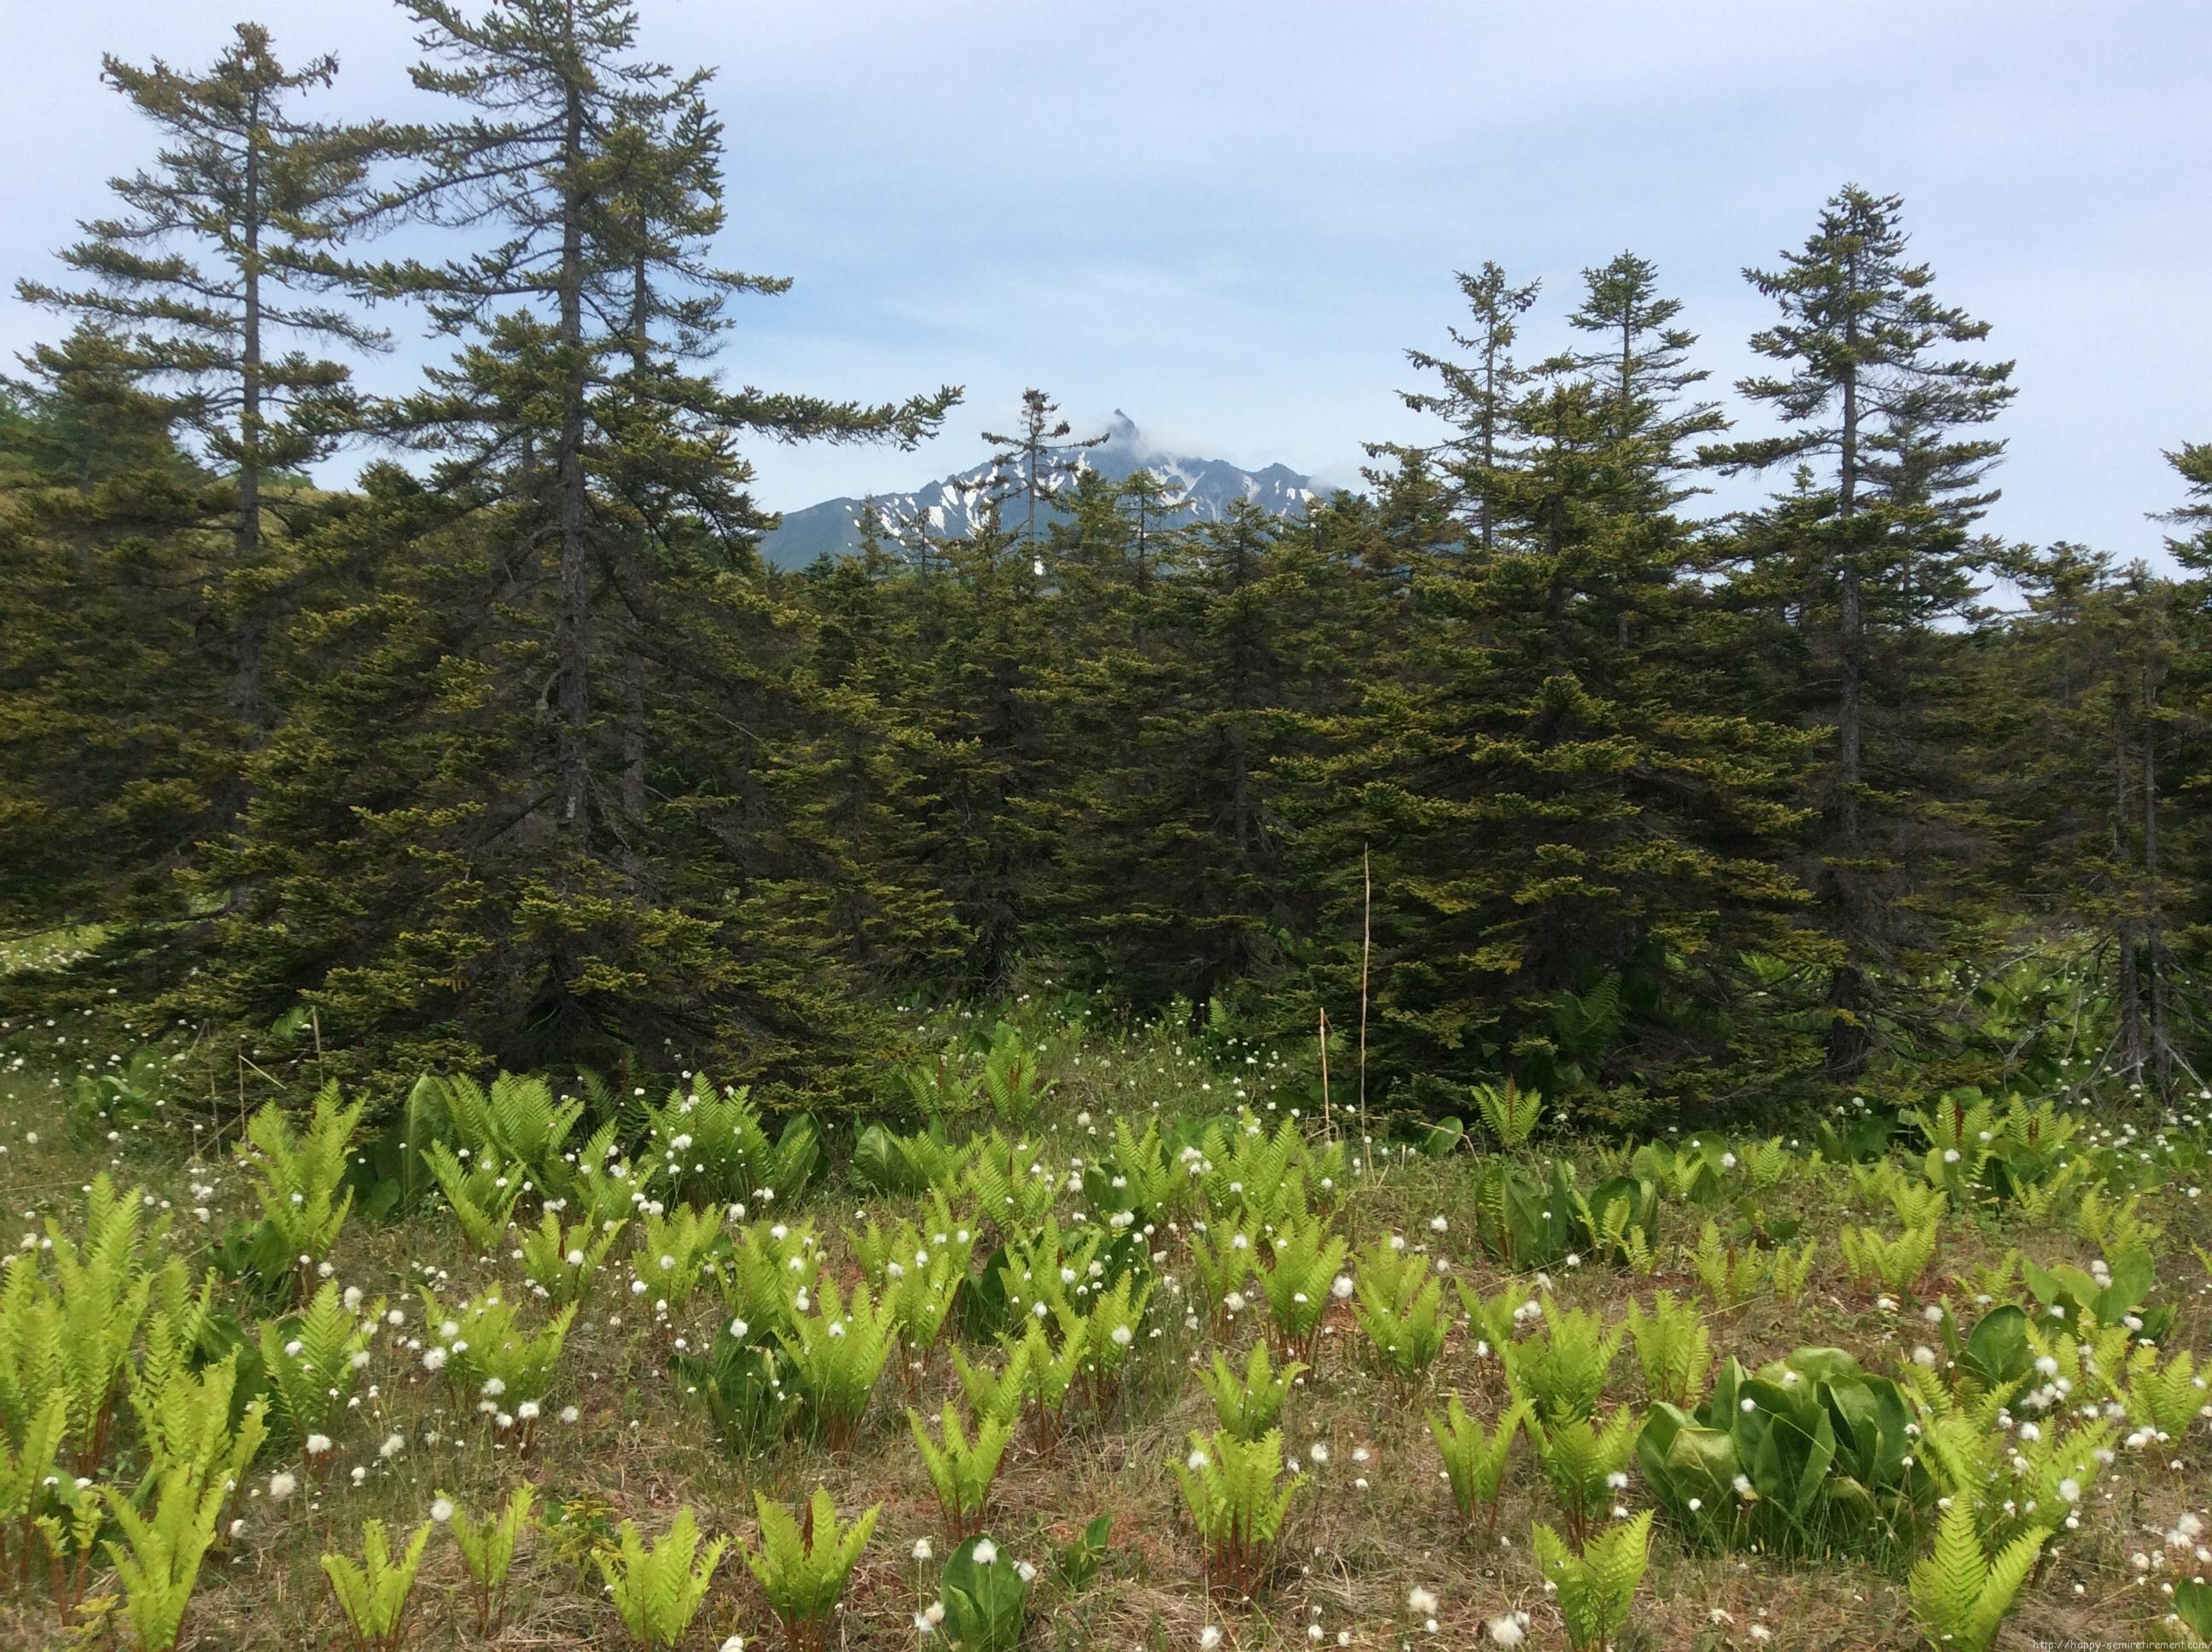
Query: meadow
pixel 1135 1341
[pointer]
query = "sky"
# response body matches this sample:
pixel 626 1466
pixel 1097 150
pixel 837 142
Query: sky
pixel 1231 219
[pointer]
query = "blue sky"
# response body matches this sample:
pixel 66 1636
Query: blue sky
pixel 1231 219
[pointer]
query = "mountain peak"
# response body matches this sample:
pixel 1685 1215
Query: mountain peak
pixel 947 508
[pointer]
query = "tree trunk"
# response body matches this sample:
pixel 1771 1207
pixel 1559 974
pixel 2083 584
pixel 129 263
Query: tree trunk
pixel 249 628
pixel 571 630
pixel 1848 1041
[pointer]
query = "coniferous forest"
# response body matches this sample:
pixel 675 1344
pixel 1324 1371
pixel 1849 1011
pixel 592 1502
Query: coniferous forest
pixel 1817 852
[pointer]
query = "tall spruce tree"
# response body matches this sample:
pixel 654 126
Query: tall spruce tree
pixel 1871 396
pixel 205 281
pixel 1573 833
pixel 628 861
pixel 1476 389
pixel 1029 467
pixel 118 738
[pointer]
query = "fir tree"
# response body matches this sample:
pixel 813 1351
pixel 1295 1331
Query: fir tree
pixel 205 277
pixel 596 823
pixel 1029 466
pixel 1476 390
pixel 1868 394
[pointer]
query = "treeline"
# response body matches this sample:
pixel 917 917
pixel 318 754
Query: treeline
pixel 1520 762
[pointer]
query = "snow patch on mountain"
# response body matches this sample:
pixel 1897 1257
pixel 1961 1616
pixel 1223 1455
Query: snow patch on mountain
pixel 949 508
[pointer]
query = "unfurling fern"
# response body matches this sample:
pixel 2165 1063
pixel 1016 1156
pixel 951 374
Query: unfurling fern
pixel 1596 1587
pixel 1961 1594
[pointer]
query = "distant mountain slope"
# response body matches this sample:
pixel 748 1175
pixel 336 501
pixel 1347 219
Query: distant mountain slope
pixel 833 527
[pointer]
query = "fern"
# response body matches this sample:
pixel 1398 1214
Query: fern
pixel 804 1571
pixel 314 1360
pixel 1014 1077
pixel 1474 1460
pixel 671 1250
pixel 1510 1112
pixel 1598 1588
pixel 373 1592
pixel 1674 1348
pixel 1249 1407
pixel 27 1474
pixel 1585 1463
pixel 481 1191
pixel 299 1178
pixel 657 1590
pixel 1897 1264
pixel 185 1419
pixel 493 1358
pixel 714 1150
pixel 516 1121
pixel 158 1561
pixel 487 1548
pixel 1401 1308
pixel 1304 1257
pixel 1048 1375
pixel 1732 1273
pixel 1961 1594
pixel 1221 1269
pixel 961 1468
pixel 840 1354
pixel 73 1334
pixel 562 1262
pixel 2167 1399
pixel 995 1395
pixel 1239 1492
pixel 1564 1367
